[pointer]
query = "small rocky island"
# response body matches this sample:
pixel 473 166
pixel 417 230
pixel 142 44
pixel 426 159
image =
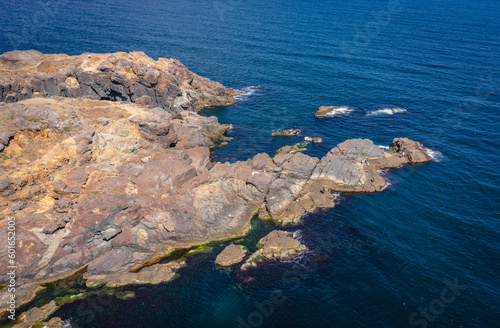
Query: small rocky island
pixel 105 165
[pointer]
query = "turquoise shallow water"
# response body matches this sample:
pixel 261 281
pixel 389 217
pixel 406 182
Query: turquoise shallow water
pixel 375 259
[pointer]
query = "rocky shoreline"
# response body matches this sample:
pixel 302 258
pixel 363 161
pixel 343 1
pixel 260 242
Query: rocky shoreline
pixel 105 165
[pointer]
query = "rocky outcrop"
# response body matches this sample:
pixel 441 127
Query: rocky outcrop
pixel 324 111
pixel 111 187
pixel 411 150
pixel 277 245
pixel 151 275
pixel 37 315
pixel 286 133
pixel 125 77
pixel 292 149
pixel 232 254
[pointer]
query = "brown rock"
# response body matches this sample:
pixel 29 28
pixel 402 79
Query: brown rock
pixel 94 201
pixel 277 245
pixel 232 254
pixel 286 133
pixel 36 315
pixel 331 111
pixel 130 77
pixel 412 150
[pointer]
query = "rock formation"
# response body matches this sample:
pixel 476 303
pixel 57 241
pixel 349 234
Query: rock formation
pixel 332 111
pixel 286 133
pixel 112 186
pixel 126 77
pixel 232 254
pixel 277 245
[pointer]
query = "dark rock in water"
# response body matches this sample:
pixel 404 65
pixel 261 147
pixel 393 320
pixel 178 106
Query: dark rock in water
pixel 277 245
pixel 232 254
pixel 128 77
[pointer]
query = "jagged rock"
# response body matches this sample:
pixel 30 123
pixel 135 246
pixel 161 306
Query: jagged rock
pixel 232 254
pixel 292 149
pixel 128 77
pixel 277 245
pixel 412 150
pixel 93 201
pixel 155 274
pixel 331 111
pixel 36 315
pixel 286 133
pixel 55 322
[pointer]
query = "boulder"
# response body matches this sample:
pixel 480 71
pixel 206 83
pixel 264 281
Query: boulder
pixel 232 254
pixel 277 245
pixel 286 133
pixel 332 111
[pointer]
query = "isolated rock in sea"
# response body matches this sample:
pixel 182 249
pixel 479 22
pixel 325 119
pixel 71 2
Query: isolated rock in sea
pixel 286 133
pixel 331 111
pixel 232 254
pixel 411 150
pixel 277 245
pixel 317 140
pixel 124 77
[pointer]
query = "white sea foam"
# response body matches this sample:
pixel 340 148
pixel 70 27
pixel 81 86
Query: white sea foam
pixel 297 234
pixel 246 92
pixel 308 138
pixel 66 324
pixel 436 155
pixel 340 111
pixel 387 111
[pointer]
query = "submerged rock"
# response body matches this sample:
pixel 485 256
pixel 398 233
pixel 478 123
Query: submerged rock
pixel 232 254
pixel 277 245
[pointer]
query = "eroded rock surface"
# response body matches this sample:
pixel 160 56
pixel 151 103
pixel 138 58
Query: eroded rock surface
pixel 113 186
pixel 126 77
pixel 277 245
pixel 324 111
pixel 118 189
pixel 37 316
pixel 232 254
pixel 286 133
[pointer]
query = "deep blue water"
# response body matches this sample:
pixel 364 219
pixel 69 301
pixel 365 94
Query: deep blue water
pixel 386 255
